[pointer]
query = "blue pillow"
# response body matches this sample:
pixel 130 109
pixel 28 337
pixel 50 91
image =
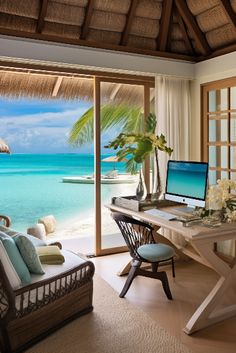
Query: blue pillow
pixel 29 254
pixel 16 258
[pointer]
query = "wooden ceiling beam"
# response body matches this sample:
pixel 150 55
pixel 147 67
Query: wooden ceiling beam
pixel 162 38
pixel 57 86
pixel 87 19
pixel 192 25
pixel 226 5
pixel 185 36
pixel 129 20
pixel 42 15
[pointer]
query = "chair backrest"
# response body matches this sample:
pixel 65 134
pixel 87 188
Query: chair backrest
pixel 135 233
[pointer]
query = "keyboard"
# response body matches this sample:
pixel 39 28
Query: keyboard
pixel 162 214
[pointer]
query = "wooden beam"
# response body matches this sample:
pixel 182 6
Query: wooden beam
pixel 192 25
pixel 87 19
pixel 91 44
pixel 114 91
pixel 57 86
pixel 164 25
pixel 42 14
pixel 185 36
pixel 226 5
pixel 130 17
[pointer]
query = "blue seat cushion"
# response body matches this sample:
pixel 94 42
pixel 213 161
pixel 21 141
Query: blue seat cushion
pixel 155 252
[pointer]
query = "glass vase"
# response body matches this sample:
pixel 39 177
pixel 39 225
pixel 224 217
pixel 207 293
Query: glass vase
pixel 141 191
pixel 156 180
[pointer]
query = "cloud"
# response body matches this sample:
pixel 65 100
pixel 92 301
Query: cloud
pixel 40 132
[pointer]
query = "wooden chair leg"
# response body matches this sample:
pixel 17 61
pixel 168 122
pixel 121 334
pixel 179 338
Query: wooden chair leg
pixel 173 267
pixel 165 285
pixel 132 274
pixel 155 266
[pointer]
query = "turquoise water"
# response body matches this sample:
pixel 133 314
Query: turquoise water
pixel 31 187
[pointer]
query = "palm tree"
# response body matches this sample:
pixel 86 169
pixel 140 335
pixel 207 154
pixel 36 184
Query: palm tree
pixel 126 118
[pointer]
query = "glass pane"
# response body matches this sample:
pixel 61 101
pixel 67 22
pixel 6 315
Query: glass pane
pixel 233 157
pixel 233 127
pixel 218 100
pixel 218 130
pixel 218 156
pixel 233 98
pixel 126 102
pixel 214 175
pixel 224 175
pixel 233 175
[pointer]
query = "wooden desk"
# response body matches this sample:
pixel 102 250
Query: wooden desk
pixel 201 248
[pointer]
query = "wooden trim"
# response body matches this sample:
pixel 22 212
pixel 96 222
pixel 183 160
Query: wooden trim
pixel 220 84
pixel 129 20
pixel 42 14
pixel 66 70
pixel 87 19
pixel 97 164
pixel 193 26
pixel 226 5
pixel 218 52
pixel 164 25
pixel 146 111
pixel 92 44
pixel 185 36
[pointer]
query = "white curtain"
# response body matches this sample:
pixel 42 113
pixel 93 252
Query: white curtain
pixel 172 108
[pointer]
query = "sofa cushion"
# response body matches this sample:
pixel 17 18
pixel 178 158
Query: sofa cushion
pixel 72 260
pixel 16 258
pixel 29 254
pixel 9 268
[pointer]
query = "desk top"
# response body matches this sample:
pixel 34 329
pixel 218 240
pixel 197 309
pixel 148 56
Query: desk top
pixel 195 232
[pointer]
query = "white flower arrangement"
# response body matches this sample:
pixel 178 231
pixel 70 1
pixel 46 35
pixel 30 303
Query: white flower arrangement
pixel 220 197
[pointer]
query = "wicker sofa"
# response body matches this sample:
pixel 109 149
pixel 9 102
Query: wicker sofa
pixel 30 312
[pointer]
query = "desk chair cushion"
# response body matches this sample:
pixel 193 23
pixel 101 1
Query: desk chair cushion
pixel 155 252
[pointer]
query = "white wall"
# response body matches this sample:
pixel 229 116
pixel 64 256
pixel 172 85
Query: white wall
pixel 207 71
pixel 91 58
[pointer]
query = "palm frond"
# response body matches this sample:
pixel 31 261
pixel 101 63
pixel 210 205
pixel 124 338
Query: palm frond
pixel 123 116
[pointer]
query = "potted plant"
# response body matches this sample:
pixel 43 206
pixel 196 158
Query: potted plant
pixel 136 147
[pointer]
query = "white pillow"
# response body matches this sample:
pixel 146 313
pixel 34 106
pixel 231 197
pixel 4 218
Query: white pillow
pixel 9 269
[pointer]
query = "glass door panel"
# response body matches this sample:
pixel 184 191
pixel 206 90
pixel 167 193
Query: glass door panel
pixel 121 108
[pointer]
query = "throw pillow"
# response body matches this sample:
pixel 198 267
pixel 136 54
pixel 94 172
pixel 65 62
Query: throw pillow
pixel 49 223
pixel 36 242
pixel 38 230
pixel 9 268
pixel 16 258
pixel 29 254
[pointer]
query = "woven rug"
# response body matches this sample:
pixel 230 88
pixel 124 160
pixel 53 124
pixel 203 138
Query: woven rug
pixel 115 326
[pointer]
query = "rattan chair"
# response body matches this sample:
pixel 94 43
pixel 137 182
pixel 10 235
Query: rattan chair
pixel 143 248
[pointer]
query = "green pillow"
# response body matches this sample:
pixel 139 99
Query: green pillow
pixel 16 258
pixel 29 254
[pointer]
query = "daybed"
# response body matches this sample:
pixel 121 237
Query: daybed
pixel 32 311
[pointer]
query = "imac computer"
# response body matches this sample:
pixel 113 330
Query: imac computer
pixel 186 182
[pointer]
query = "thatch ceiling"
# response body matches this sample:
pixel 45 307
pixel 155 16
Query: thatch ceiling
pixel 183 29
pixel 17 83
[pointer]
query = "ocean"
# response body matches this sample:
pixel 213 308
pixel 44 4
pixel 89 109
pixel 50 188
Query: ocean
pixel 31 186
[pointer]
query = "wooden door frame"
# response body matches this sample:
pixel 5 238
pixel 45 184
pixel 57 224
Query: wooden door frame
pixel 97 157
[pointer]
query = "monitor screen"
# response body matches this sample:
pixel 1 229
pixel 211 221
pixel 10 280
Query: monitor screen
pixel 186 182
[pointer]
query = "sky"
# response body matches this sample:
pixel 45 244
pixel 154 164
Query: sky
pixel 38 126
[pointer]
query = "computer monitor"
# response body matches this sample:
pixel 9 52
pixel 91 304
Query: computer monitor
pixel 186 182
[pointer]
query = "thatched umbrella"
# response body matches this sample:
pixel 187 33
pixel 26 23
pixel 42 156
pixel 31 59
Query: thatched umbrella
pixel 114 159
pixel 4 148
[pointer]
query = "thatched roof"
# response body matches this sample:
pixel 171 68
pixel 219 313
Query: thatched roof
pixel 18 83
pixel 4 148
pixel 186 29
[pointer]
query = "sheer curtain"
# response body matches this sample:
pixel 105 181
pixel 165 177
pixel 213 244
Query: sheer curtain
pixel 172 108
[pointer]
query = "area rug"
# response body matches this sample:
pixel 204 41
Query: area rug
pixel 115 326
